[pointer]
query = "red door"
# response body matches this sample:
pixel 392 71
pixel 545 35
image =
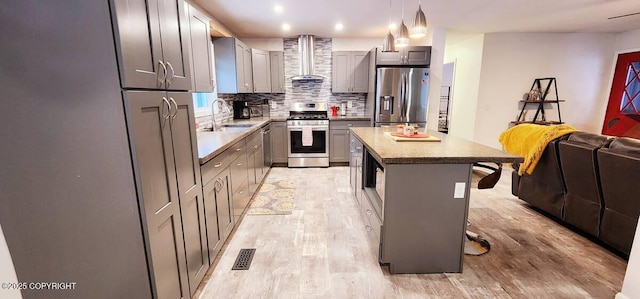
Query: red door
pixel 623 111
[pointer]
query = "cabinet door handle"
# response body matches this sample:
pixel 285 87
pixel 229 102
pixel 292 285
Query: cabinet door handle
pixel 239 164
pixel 217 165
pixel 238 149
pixel 175 113
pixel 173 74
pixel 368 228
pixel 255 146
pixel 349 125
pixel 368 212
pixel 166 116
pixel 164 70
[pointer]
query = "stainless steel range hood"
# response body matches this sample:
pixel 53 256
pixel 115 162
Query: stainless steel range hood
pixel 307 65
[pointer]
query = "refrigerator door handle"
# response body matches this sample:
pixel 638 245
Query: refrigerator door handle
pixel 403 103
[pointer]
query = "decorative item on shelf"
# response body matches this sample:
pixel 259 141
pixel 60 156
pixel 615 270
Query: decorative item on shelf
pixel 534 95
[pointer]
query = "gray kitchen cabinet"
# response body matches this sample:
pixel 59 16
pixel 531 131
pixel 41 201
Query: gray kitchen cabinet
pixel 339 143
pixel 251 170
pixel 233 66
pixel 350 71
pixel 355 166
pixel 261 67
pixel 255 161
pixel 279 145
pixel 224 205
pixel 239 185
pixel 153 40
pixel 276 59
pixel 163 134
pixel 266 149
pixel 201 51
pixel 219 217
pixel 412 55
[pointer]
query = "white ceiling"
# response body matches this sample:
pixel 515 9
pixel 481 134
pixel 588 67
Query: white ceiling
pixel 368 18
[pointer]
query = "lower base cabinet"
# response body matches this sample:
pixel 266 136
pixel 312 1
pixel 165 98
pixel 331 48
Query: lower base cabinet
pixel 218 217
pixel 340 146
pixel 279 148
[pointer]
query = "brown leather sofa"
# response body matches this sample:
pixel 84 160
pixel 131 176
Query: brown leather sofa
pixel 619 176
pixel 544 188
pixel 590 182
pixel 583 199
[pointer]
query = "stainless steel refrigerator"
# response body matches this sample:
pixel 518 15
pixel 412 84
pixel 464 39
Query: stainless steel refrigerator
pixel 401 96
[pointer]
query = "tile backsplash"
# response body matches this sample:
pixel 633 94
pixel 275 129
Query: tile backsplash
pixel 299 91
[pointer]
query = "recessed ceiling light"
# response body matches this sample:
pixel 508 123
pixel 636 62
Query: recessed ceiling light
pixel 278 8
pixel 339 26
pixel 285 27
pixel 393 26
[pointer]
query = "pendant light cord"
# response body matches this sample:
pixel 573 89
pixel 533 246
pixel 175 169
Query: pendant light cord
pixel 389 23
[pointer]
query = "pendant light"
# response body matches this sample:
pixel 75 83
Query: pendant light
pixel 402 37
pixel 389 42
pixel 419 28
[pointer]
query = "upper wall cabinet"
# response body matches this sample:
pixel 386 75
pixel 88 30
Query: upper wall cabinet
pixel 350 71
pixel 201 50
pixel 413 55
pixel 260 60
pixel 153 37
pixel 277 71
pixel 233 66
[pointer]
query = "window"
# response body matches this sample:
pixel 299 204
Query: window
pixel 630 103
pixel 202 103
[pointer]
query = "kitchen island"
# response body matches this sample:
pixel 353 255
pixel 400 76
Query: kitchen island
pixel 415 198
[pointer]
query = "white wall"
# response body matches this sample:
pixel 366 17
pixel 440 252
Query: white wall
pixel 580 62
pixel 438 39
pixel 630 286
pixel 629 40
pixel 466 52
pixel 267 44
pixel 7 272
pixel 355 44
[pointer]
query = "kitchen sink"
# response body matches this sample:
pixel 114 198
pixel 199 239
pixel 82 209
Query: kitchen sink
pixel 238 125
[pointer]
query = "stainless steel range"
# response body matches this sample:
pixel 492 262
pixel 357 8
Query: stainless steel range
pixel 308 135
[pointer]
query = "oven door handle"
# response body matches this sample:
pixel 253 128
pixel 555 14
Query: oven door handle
pixel 312 129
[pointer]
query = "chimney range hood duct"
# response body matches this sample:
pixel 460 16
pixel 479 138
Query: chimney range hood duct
pixel 307 65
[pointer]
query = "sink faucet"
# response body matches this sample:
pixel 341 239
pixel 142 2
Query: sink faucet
pixel 225 106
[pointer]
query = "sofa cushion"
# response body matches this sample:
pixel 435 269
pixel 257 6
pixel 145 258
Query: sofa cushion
pixel 590 139
pixel 626 146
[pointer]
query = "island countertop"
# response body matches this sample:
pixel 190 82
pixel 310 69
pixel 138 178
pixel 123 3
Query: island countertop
pixel 450 150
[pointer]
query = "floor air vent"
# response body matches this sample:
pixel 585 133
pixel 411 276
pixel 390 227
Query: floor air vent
pixel 243 261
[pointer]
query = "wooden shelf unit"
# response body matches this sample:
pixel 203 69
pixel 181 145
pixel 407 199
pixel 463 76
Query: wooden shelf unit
pixel 543 86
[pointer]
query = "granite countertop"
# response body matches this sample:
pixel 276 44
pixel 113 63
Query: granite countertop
pixel 448 150
pixel 211 144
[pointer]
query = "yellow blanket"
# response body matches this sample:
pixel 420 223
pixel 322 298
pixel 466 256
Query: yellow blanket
pixel 530 140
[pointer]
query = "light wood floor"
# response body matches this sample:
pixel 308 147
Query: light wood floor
pixel 320 251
